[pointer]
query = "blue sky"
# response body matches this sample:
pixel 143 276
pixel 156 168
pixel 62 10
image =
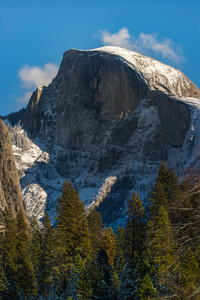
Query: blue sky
pixel 35 34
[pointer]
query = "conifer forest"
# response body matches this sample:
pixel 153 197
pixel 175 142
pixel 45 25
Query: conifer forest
pixel 155 255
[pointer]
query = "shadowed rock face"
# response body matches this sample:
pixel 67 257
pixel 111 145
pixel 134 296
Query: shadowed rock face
pixel 10 190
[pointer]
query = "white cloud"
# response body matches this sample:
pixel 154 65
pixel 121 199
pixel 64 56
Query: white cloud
pixel 150 44
pixel 122 38
pixel 34 76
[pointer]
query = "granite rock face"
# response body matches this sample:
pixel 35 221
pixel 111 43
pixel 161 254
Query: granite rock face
pixel 110 113
pixel 94 90
pixel 10 189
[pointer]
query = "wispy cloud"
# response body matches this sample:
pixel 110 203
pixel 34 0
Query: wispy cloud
pixel 122 38
pixel 149 44
pixel 34 76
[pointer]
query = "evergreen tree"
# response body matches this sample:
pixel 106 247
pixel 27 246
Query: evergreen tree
pixel 127 282
pixel 147 290
pixel 35 242
pixel 160 193
pixel 25 274
pixel 46 256
pixel 108 244
pixel 95 276
pixel 95 229
pixel 79 286
pixel 135 226
pixel 132 277
pixel 8 239
pixel 103 289
pixel 72 235
pixel 8 253
pixel 2 283
pixel 190 270
pixel 120 249
pixel 161 247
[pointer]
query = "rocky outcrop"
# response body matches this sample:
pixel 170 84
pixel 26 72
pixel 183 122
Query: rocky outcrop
pixel 10 190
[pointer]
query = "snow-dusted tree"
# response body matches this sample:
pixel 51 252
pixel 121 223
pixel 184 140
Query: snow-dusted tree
pixel 79 286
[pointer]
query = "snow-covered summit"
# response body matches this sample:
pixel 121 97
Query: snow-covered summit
pixel 158 76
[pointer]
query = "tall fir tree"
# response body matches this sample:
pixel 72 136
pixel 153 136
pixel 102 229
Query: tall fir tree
pixel 135 226
pixel 46 260
pixel 161 247
pixel 190 270
pixel 120 249
pixel 147 290
pixel 108 244
pixel 103 290
pixel 34 242
pixel 25 275
pixel 8 253
pixel 95 229
pixel 164 190
pixel 79 285
pixel 72 234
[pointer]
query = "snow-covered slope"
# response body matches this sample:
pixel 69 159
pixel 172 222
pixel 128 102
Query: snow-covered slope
pixel 42 179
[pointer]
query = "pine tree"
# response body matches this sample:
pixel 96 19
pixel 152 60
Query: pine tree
pixel 2 283
pixel 103 289
pixel 132 276
pixel 95 229
pixel 127 282
pixel 190 269
pixel 135 226
pixel 79 286
pixel 46 257
pixel 8 239
pixel 72 233
pixel 108 244
pixel 35 242
pixel 95 276
pixel 161 247
pixel 120 249
pixel 8 253
pixel 25 274
pixel 160 192
pixel 147 290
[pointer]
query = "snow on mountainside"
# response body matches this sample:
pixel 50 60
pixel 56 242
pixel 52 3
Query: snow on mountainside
pixel 105 123
pixel 41 183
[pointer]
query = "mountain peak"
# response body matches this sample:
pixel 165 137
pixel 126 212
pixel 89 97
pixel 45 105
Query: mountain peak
pixel 156 74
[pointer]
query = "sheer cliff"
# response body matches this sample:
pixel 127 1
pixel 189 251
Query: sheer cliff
pixel 10 190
